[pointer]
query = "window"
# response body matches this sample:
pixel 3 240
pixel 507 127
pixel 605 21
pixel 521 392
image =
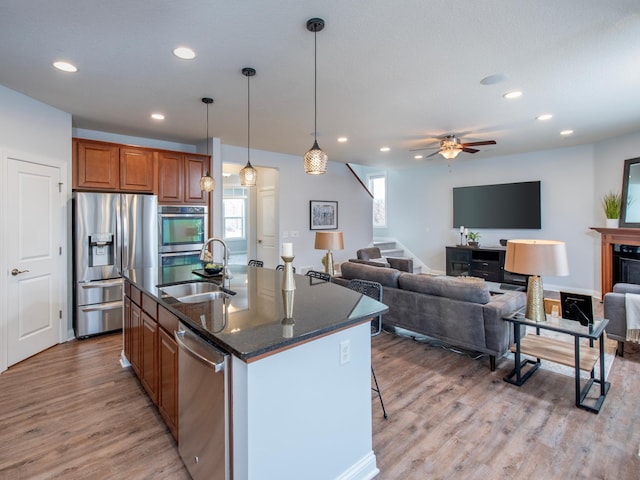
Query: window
pixel 234 213
pixel 378 188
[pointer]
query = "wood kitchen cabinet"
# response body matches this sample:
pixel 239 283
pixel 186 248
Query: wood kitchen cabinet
pixel 149 356
pixel 134 340
pixel 168 369
pixel 96 165
pixel 179 178
pixel 136 169
pixel 195 166
pixel 152 351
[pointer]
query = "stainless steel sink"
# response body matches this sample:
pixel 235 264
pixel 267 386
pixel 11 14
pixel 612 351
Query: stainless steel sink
pixel 195 292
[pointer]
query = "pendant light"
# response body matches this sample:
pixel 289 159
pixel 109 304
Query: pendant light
pixel 315 160
pixel 207 183
pixel 248 175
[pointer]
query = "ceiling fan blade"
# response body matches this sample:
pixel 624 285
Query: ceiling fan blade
pixel 474 144
pixel 470 150
pixel 434 153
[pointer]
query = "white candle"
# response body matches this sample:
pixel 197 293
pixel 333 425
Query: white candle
pixel 287 249
pixel 466 231
pixel 461 228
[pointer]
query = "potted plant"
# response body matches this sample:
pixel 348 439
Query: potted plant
pixel 472 239
pixel 611 202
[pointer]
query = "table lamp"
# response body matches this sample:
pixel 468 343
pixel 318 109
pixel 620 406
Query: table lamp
pixel 329 241
pixel 536 258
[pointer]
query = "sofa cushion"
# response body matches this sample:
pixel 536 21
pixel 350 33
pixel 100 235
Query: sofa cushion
pixel 387 277
pixel 450 287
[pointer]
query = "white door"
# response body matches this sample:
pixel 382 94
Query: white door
pixel 266 231
pixel 33 240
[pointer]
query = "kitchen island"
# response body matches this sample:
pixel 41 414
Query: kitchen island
pixel 299 384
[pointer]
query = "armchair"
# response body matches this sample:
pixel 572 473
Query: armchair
pixel 616 312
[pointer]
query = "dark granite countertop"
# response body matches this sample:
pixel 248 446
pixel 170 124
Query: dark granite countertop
pixel 252 322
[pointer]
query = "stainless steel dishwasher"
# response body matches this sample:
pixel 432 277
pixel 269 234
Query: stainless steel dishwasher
pixel 203 424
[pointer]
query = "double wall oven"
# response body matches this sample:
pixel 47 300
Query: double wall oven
pixel 182 231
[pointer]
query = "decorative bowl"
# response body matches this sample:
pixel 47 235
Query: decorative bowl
pixel 212 268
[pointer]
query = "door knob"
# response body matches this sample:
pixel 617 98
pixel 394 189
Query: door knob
pixel 15 272
pixel 259 241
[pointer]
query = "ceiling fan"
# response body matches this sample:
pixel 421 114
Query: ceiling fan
pixel 451 146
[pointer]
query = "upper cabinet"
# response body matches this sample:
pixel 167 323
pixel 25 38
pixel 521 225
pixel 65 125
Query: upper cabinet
pixel 195 166
pixel 179 178
pixel 173 176
pixel 136 169
pixel 97 166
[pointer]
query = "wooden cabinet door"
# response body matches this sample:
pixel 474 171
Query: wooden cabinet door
pixel 136 169
pixel 168 380
pixel 98 166
pixel 195 166
pixel 136 323
pixel 171 178
pixel 127 328
pixel 149 356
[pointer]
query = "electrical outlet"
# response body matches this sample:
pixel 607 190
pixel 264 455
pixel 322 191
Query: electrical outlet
pixel 345 351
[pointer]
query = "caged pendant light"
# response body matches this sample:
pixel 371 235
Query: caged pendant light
pixel 248 175
pixel 315 160
pixel 207 183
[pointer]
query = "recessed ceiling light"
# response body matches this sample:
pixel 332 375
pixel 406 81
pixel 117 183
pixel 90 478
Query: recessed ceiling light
pixel 65 67
pixel 512 95
pixel 385 149
pixel 185 53
pixel 157 116
pixel 544 116
pixel 342 139
pixel 566 132
pixel 418 157
pixel 493 79
pixel 226 174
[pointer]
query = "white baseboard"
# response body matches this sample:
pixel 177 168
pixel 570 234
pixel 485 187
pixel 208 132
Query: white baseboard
pixel 364 469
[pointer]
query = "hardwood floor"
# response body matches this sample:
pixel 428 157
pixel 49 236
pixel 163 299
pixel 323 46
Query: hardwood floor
pixel 71 412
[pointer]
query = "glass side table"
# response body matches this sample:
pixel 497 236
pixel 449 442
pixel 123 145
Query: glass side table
pixel 562 352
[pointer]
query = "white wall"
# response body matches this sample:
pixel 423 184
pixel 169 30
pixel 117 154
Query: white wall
pixel 573 181
pixel 297 189
pixel 36 131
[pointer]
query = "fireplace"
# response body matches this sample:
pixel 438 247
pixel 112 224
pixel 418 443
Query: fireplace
pixel 619 255
pixel 626 264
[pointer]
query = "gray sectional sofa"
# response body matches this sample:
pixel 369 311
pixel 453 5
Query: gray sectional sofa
pixel 616 311
pixel 456 311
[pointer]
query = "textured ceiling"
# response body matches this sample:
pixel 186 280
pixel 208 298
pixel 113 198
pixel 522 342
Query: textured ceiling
pixel 394 74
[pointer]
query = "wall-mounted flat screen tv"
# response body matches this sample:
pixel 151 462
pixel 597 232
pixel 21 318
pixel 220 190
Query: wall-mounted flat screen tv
pixel 503 206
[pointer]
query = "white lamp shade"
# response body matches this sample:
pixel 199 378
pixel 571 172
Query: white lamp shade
pixel 329 241
pixel 537 257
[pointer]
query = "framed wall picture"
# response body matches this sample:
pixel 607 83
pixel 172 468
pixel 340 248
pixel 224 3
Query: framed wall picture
pixel 323 215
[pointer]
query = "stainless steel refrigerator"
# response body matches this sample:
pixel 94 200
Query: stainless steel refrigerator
pixel 112 232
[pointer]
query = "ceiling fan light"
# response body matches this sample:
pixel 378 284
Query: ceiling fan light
pixel 315 160
pixel 450 153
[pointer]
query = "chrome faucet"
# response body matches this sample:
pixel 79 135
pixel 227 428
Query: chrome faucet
pixel 226 274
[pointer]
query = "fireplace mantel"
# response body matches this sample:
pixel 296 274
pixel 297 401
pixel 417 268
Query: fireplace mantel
pixel 610 237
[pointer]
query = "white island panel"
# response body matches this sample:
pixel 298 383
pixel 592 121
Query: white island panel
pixel 301 413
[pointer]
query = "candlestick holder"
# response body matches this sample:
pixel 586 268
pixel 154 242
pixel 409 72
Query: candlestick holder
pixel 288 281
pixel 461 235
pixel 288 322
